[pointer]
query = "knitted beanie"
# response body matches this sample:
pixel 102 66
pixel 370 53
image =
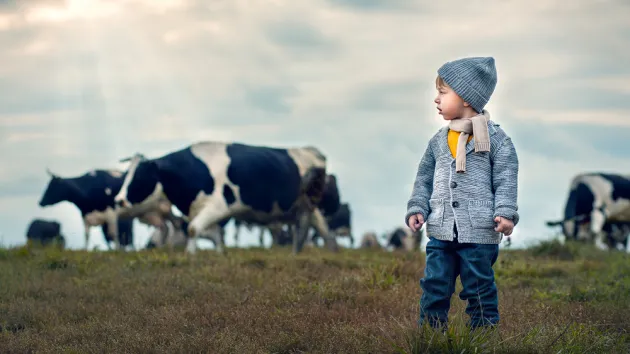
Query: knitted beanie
pixel 473 79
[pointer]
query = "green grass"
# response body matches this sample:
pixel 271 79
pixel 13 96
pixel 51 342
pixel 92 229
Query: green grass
pixel 553 299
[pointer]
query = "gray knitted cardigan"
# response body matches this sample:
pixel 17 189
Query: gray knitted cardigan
pixel 471 200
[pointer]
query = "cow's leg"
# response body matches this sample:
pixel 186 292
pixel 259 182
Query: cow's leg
pixel 315 238
pixel 112 224
pixel 261 236
pixel 209 217
pixel 168 237
pixel 208 234
pixel 319 223
pixel 291 230
pixel 345 231
pixel 275 234
pixel 598 219
pixel 220 233
pixel 303 224
pixel 164 234
pixel 601 240
pixel 237 229
pixel 275 229
pixel 86 226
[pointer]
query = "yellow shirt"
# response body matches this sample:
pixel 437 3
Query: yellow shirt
pixel 453 136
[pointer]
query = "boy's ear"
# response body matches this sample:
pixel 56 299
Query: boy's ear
pixel 466 104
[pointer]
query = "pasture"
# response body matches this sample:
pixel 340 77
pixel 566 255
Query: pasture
pixel 553 298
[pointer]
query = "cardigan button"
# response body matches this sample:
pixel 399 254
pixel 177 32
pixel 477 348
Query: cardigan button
pixel 453 184
pixel 455 204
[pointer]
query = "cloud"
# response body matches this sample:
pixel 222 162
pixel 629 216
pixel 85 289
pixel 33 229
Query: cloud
pixel 270 98
pixel 375 5
pixel 296 35
pixel 84 84
pixel 571 141
pixel 26 186
pixel 388 96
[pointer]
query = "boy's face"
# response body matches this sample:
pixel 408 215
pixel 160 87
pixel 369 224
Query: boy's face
pixel 449 104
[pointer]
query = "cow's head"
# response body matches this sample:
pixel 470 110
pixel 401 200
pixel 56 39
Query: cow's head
pixel 396 238
pixel 330 202
pixel 313 184
pixel 140 182
pixel 577 210
pixel 316 153
pixel 58 190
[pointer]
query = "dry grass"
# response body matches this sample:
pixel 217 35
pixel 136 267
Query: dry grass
pixel 552 298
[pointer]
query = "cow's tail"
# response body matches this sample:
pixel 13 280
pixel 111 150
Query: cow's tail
pixel 554 223
pixel 577 218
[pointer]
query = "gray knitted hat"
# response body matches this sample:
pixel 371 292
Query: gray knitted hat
pixel 473 79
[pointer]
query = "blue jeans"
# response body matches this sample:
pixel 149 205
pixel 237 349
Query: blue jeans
pixel 445 260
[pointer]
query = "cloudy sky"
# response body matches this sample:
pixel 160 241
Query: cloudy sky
pixel 84 83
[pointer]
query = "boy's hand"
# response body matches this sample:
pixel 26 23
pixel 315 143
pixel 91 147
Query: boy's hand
pixel 506 226
pixel 416 222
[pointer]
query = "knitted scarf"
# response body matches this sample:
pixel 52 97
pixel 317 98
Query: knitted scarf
pixel 478 126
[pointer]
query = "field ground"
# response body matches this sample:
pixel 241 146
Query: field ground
pixel 553 298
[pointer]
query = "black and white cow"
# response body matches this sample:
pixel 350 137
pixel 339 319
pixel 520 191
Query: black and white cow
pixel 328 205
pixel 402 238
pixel 124 231
pixel 339 223
pixel 93 194
pixel 212 182
pixel 171 234
pixel 45 232
pixel 331 200
pixel 598 207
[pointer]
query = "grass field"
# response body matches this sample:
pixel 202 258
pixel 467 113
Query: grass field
pixel 553 298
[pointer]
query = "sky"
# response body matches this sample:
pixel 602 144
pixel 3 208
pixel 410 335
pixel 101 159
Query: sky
pixel 84 83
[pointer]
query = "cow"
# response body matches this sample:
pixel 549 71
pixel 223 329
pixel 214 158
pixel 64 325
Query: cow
pixel 211 182
pixel 402 238
pixel 93 194
pixel 330 201
pixel 169 234
pixel 283 236
pixel 597 204
pixel 328 205
pixel 174 234
pixel 370 241
pixel 45 232
pixel 339 223
pixel 616 234
pixel 124 232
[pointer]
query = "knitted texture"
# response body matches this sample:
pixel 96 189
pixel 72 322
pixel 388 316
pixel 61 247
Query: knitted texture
pixel 473 79
pixel 473 199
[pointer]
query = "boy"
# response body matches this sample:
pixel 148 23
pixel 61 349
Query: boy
pixel 466 198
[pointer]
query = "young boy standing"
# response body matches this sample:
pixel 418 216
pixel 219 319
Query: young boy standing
pixel 466 191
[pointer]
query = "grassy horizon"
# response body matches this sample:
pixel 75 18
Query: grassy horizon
pixel 570 298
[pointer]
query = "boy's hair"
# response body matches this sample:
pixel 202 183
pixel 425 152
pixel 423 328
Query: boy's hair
pixel 440 83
